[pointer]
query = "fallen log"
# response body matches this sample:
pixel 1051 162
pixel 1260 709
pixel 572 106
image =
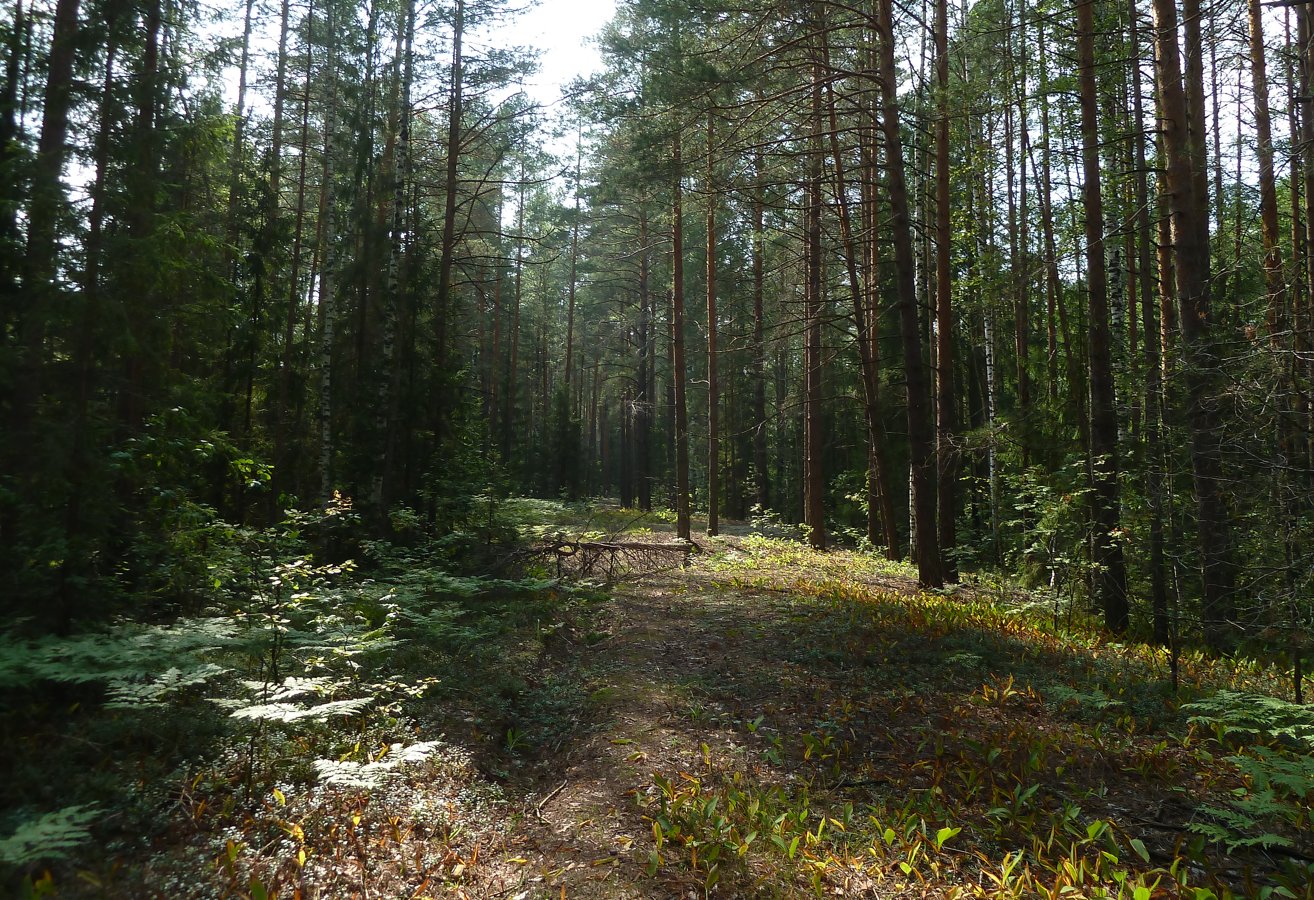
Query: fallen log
pixel 624 546
pixel 585 558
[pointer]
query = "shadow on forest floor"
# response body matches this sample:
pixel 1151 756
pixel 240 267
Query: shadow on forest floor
pixel 773 722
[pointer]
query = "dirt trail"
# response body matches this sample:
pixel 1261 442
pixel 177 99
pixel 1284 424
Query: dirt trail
pixel 693 675
pixel 583 834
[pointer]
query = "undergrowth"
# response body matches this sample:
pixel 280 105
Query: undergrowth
pixel 973 743
pixel 341 725
pixel 240 747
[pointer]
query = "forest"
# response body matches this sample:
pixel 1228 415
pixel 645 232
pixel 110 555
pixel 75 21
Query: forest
pixel 836 448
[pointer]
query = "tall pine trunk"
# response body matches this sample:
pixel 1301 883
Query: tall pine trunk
pixel 946 454
pixel 758 364
pixel 1110 569
pixel 682 524
pixel 713 386
pixel 880 508
pixel 1153 437
pixel 814 510
pixel 447 255
pixel 921 444
pixel 1185 180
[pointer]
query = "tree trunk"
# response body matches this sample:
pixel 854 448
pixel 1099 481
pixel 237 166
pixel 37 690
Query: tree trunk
pixel 513 358
pixel 758 364
pixel 574 271
pixel 713 387
pixel 388 375
pixel 283 470
pixel 946 454
pixel 1110 569
pixel 447 255
pixel 920 431
pixel 880 508
pixel 39 268
pixel 11 249
pixel 814 510
pixel 643 402
pixel 1153 437
pixel 682 525
pixel 328 275
pixel 239 134
pixel 1186 186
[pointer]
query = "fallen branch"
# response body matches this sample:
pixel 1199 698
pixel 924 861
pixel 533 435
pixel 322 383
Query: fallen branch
pixel 569 548
pixel 584 557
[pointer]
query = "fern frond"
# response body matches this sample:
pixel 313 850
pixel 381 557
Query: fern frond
pixel 367 776
pixel 291 712
pixel 49 836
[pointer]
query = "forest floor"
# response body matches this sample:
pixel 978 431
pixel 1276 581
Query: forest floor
pixel 767 721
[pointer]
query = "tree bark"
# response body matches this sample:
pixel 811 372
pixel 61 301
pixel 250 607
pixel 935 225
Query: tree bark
pixel 39 268
pixel 395 291
pixel 946 454
pixel 1110 569
pixel 1186 186
pixel 328 274
pixel 713 386
pixel 643 405
pixel 682 524
pixel 448 244
pixel 1152 436
pixel 880 508
pixel 758 364
pixel 920 431
pixel 814 510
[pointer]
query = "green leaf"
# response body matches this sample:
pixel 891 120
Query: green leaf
pixel 1139 846
pixel 945 834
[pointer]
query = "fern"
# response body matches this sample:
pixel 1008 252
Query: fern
pixel 366 776
pixel 1254 718
pixel 1234 828
pixel 119 655
pixel 49 836
pixel 156 689
pixel 1276 794
pixel 292 712
pixel 292 700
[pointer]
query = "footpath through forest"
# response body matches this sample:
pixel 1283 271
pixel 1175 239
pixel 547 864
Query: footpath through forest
pixel 762 721
pixel 772 722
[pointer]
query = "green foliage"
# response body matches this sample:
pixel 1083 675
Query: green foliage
pixel 1249 718
pixel 1272 809
pixel 1051 512
pixel 292 657
pixel 371 775
pixel 49 836
pixel 132 660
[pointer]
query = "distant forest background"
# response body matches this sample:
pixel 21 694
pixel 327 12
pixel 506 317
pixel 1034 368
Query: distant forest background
pixel 1009 284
